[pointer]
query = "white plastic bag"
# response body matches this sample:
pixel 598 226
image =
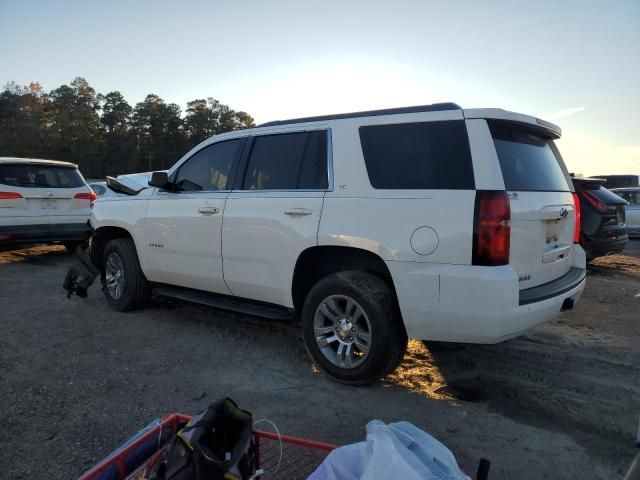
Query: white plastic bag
pixel 398 450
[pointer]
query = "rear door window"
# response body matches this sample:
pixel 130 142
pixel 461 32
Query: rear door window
pixel 529 160
pixel 425 155
pixel 40 176
pixel 287 162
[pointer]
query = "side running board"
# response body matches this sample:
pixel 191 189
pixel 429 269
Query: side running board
pixel 272 312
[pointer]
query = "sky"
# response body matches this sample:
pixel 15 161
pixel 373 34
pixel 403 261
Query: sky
pixel 575 63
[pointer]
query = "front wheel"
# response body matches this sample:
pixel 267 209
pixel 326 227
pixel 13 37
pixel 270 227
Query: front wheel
pixel 125 286
pixel 352 329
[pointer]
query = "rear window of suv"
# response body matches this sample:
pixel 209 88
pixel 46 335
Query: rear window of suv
pixel 40 176
pixel 529 160
pixel 596 189
pixel 425 155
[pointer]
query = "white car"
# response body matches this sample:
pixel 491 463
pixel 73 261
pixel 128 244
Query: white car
pixel 632 209
pixel 134 181
pixel 101 190
pixel 43 201
pixel 429 222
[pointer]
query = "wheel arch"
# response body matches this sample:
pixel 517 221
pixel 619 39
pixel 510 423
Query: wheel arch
pixel 101 237
pixel 317 262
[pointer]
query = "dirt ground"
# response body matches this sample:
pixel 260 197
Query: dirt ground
pixel 77 378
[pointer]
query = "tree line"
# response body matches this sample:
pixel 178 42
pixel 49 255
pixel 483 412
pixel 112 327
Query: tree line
pixel 103 134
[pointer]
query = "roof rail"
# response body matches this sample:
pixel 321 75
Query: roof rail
pixel 436 107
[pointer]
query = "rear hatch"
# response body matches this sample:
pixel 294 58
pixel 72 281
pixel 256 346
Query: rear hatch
pixel 48 192
pixel 541 201
pixel 604 212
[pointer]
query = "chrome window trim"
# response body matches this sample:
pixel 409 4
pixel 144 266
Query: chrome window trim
pixel 191 192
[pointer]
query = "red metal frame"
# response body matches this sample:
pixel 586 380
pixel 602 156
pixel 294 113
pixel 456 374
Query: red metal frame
pixel 260 434
pixel 177 420
pixel 294 440
pixel 172 421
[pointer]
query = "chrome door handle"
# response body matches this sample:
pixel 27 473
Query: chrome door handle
pixel 208 210
pixel 298 212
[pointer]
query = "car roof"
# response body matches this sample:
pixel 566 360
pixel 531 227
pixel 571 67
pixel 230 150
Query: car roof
pixel 37 161
pixel 436 107
pixel 473 113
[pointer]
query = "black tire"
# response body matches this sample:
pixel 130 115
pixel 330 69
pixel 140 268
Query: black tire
pixel 136 289
pixel 388 337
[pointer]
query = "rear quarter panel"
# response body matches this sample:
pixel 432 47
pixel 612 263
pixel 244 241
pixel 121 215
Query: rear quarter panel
pixel 383 221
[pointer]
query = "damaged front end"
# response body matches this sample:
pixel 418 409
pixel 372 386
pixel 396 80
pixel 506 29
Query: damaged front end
pixel 84 271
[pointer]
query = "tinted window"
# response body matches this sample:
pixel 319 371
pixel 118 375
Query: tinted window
pixel 208 169
pixel 630 196
pixel 98 189
pixel 418 155
pixel 40 176
pixel 607 196
pixel 529 160
pixel 288 161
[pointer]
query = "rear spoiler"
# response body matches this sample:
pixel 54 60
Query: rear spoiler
pixel 500 114
pixel 119 187
pixel 589 180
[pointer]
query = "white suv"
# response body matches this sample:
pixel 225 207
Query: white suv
pixel 428 222
pixel 43 201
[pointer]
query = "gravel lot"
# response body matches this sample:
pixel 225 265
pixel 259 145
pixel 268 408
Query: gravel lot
pixel 77 378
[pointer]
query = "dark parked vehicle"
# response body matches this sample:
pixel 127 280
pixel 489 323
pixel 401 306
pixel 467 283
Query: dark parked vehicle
pixel 602 224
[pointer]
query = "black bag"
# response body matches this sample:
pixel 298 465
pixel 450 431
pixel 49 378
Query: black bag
pixel 216 444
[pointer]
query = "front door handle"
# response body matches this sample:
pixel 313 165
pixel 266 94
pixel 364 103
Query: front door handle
pixel 298 212
pixel 208 210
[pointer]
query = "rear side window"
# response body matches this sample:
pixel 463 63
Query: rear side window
pixel 287 162
pixel 433 155
pixel 40 176
pixel 529 160
pixel 209 168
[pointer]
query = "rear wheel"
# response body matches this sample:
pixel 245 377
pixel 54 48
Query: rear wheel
pixel 125 286
pixel 352 329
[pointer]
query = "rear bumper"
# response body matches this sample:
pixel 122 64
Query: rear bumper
pixel 572 279
pixel 599 246
pixel 17 234
pixel 458 303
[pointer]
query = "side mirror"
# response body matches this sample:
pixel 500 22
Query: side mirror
pixel 160 180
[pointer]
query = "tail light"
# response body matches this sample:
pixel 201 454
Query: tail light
pixel 10 195
pixel 576 209
pixel 91 196
pixel 491 228
pixel 595 202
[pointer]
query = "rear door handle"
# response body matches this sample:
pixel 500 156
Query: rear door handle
pixel 208 210
pixel 298 212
